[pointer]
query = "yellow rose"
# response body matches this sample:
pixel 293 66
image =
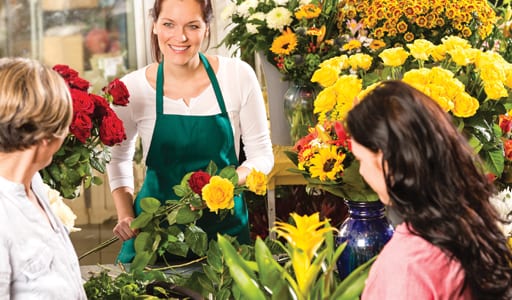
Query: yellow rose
pixel 454 42
pixel 325 100
pixel 495 90
pixel 337 62
pixel 360 61
pixel 463 57
pixel 465 106
pixel 418 76
pixel 508 80
pixel 438 52
pixel 256 182
pixel 394 57
pixel 325 76
pixel 219 194
pixel 420 49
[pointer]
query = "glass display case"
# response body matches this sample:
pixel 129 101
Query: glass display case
pixel 95 37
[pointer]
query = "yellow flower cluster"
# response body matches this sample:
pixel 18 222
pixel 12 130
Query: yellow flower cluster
pixel 402 21
pixel 305 238
pixel 452 73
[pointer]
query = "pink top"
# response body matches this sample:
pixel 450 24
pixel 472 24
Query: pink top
pixel 409 267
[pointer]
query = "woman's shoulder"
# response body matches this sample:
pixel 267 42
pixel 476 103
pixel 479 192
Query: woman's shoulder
pixel 234 64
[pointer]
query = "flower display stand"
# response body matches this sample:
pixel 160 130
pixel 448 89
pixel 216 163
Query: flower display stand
pixel 276 88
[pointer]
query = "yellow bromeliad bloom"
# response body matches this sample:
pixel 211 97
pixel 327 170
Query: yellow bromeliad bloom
pixel 285 43
pixel 256 182
pixel 327 163
pixel 305 238
pixel 219 194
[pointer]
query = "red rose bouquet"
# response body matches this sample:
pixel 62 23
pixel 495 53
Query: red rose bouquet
pixel 95 126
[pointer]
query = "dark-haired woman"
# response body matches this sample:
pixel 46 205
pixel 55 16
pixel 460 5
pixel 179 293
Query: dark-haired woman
pixel 449 245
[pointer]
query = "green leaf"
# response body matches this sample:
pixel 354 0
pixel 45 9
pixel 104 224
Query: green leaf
pixel 352 286
pixel 150 204
pixel 171 216
pixel 141 220
pixel 196 239
pixel 214 257
pixel 72 160
pixel 212 275
pixel 211 168
pixel 178 248
pixel 142 242
pixel 242 274
pixel 141 260
pixel 186 215
pixel 97 180
pixel 270 272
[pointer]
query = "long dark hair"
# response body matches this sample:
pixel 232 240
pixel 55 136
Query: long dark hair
pixel 436 182
pixel 207 9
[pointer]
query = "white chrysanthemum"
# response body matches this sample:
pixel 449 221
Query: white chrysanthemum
pixel 228 11
pixel 61 210
pixel 257 16
pixel 278 18
pixel 252 28
pixel 305 2
pixel 503 204
pixel 244 9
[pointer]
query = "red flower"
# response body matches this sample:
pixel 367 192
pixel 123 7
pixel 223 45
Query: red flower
pixel 82 102
pixel 508 149
pixel 198 180
pixel 111 129
pixel 117 89
pixel 505 124
pixel 81 126
pixel 65 71
pixel 101 106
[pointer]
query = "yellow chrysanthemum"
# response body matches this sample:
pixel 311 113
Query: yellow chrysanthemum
pixel 394 57
pixel 327 164
pixel 285 43
pixel 219 194
pixel 377 44
pixel 256 182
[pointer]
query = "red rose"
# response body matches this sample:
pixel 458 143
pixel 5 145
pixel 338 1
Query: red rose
pixel 117 89
pixel 79 83
pixel 101 106
pixel 198 180
pixel 111 129
pixel 508 149
pixel 82 102
pixel 81 126
pixel 65 71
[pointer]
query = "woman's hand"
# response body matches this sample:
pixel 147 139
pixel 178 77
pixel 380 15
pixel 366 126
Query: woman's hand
pixel 242 174
pixel 123 231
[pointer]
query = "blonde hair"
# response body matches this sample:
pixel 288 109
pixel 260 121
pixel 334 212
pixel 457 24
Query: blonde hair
pixel 35 103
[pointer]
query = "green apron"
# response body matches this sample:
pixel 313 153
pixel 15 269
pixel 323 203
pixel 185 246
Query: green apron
pixel 182 144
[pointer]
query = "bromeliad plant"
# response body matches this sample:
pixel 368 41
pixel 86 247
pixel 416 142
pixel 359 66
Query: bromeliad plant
pixel 309 272
pixel 94 128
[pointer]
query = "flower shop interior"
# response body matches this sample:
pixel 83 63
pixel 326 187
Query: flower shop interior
pixel 302 52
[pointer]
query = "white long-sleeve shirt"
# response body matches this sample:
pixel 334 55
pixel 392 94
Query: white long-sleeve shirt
pixel 37 260
pixel 244 104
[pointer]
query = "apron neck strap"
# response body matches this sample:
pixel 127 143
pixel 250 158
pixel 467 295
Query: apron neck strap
pixel 211 75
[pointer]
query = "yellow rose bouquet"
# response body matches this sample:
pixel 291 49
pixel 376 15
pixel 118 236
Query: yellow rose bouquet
pixel 472 85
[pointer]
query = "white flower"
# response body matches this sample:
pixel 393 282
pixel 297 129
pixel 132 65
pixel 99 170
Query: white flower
pixel 502 202
pixel 244 9
pixel 61 210
pixel 254 28
pixel 304 2
pixel 228 11
pixel 278 18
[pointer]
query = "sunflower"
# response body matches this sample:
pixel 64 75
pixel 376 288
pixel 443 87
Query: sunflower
pixel 327 163
pixel 285 43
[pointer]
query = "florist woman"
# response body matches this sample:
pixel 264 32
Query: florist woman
pixel 189 109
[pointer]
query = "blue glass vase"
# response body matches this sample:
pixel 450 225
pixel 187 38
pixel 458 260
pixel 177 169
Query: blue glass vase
pixel 366 231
